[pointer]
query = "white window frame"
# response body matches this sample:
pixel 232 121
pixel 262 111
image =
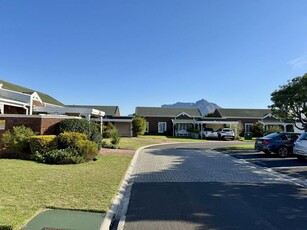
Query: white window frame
pixel 248 125
pixel 164 125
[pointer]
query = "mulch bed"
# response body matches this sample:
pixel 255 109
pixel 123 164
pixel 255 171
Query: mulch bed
pixel 105 151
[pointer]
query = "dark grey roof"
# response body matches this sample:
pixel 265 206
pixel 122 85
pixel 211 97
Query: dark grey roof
pixel 243 113
pixel 45 97
pixel 109 110
pixel 166 112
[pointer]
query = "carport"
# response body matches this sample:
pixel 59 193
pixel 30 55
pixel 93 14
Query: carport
pixel 217 123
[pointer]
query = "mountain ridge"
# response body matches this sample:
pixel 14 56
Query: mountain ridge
pixel 203 105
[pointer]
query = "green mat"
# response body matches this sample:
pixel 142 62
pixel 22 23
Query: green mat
pixel 65 220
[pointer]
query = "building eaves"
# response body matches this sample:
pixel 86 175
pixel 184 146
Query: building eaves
pixel 44 97
pixel 166 112
pixel 109 110
pixel 243 113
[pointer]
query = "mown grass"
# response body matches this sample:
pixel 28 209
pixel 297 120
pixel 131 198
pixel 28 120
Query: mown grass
pixel 136 142
pixel 238 147
pixel 27 187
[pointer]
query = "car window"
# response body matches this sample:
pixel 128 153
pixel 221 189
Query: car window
pixel 272 135
pixel 303 136
pixel 283 138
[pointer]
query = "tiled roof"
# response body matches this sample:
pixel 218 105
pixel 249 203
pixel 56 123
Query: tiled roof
pixel 243 113
pixel 109 110
pixel 166 112
pixel 45 97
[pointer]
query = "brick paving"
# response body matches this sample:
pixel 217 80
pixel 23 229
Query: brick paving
pixel 184 165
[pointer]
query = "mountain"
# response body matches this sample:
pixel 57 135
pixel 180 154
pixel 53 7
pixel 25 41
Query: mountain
pixel 204 106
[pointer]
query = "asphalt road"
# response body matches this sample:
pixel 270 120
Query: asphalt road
pixel 188 186
pixel 289 166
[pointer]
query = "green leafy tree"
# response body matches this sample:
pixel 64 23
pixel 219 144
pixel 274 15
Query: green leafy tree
pixel 138 126
pixel 290 101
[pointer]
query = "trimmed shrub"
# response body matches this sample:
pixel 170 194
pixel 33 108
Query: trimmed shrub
pixel 17 139
pixel 60 156
pixel 115 138
pixel 70 139
pixel 87 149
pixel 138 126
pixel 43 143
pixel 91 129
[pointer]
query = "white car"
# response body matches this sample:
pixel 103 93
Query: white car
pixel 226 133
pixel 300 146
pixel 209 133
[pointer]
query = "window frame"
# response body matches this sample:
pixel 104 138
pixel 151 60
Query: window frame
pixel 164 125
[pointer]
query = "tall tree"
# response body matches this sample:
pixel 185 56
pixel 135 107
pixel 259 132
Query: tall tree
pixel 290 101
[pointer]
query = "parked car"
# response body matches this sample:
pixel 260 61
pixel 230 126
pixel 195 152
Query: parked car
pixel 280 143
pixel 300 146
pixel 226 133
pixel 209 133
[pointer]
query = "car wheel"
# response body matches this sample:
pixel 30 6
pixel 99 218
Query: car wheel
pixel 299 157
pixel 283 152
pixel 267 152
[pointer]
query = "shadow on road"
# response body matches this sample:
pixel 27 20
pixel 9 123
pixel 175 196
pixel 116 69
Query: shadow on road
pixel 211 205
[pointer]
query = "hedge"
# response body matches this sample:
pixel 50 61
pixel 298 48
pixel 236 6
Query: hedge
pixel 43 143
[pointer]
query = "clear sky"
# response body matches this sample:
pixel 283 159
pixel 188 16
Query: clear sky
pixel 131 53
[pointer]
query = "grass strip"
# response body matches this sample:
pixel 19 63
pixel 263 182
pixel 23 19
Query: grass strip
pixel 27 187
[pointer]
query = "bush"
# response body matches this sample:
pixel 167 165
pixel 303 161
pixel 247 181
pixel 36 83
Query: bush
pixel 60 156
pixel 70 139
pixel 257 129
pixel 43 143
pixel 274 129
pixel 107 130
pixel 115 138
pixel 12 154
pixel 17 139
pixel 91 129
pixel 87 149
pixel 138 126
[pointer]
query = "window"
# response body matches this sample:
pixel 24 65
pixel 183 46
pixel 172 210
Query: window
pixel 161 127
pixel 248 127
pixel 182 126
pixel 147 127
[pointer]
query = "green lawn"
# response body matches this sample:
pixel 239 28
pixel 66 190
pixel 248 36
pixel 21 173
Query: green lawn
pixel 27 187
pixel 135 143
pixel 238 147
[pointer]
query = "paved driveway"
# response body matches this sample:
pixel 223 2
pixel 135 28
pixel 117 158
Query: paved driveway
pixel 192 187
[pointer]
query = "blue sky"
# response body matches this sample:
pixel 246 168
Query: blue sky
pixel 152 52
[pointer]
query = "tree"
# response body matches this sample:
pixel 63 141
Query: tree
pixel 138 126
pixel 290 101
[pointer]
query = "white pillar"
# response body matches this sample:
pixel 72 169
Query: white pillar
pixel 101 122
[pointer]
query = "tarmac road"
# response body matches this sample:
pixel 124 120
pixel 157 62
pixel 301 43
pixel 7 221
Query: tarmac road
pixel 189 186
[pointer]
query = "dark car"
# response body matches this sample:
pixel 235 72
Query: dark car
pixel 280 143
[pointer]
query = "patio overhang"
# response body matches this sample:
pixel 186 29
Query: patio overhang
pixel 69 111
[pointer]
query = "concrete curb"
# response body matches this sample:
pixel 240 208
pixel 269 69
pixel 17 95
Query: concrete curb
pixel 120 202
pixel 122 195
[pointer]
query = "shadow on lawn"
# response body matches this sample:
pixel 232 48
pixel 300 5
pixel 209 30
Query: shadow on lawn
pixel 6 227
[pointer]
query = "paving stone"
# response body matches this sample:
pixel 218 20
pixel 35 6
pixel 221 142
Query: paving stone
pixel 182 165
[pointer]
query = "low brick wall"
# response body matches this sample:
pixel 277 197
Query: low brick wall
pixel 42 124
